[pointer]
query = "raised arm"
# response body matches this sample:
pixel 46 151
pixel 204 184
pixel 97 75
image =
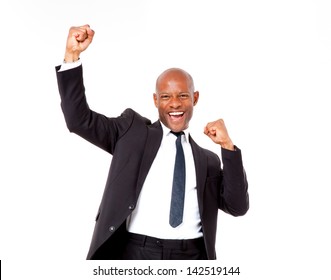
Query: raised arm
pixel 234 190
pixel 98 129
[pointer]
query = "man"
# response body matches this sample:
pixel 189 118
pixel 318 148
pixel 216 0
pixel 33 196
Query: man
pixel 163 191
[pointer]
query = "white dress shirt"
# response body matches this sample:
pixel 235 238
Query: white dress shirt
pixel 151 215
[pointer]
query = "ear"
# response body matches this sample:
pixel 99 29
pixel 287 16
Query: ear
pixel 195 97
pixel 155 100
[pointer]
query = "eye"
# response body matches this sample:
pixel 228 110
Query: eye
pixel 164 96
pixel 184 95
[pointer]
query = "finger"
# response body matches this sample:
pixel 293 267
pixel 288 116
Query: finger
pixel 209 125
pixel 85 34
pixel 87 29
pixel 205 131
pixel 90 34
pixel 212 131
pixel 80 35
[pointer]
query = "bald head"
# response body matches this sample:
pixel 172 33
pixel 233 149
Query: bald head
pixel 174 75
pixel 175 98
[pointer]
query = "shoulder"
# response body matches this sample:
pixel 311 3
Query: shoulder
pixel 132 114
pixel 131 121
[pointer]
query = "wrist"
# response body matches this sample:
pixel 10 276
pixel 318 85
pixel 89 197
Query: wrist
pixel 71 57
pixel 228 146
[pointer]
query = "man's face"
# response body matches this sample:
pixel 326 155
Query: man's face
pixel 175 99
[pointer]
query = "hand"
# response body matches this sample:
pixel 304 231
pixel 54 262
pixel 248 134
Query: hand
pixel 79 38
pixel 217 132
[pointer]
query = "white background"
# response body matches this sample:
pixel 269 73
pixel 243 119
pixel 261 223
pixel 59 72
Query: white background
pixel 263 66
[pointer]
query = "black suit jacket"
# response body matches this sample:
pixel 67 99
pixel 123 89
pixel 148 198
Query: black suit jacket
pixel 134 141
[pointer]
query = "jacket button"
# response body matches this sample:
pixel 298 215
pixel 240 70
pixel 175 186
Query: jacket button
pixel 112 228
pixel 131 207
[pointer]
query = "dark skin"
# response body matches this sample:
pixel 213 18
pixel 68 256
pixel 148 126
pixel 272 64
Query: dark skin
pixel 174 97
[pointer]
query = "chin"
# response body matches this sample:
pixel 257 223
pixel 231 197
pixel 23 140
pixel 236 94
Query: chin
pixel 176 128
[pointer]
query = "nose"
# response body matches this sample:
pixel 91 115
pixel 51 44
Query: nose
pixel 175 102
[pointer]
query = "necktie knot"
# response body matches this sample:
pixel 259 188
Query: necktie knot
pixel 180 133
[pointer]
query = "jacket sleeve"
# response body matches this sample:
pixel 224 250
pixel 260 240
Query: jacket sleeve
pixel 81 120
pixel 234 197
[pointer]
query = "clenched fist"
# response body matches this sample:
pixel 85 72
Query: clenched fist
pixel 218 133
pixel 79 38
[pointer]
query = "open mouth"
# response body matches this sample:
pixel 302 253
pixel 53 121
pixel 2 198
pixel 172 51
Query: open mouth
pixel 176 115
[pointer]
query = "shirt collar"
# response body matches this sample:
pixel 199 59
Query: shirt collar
pixel 167 131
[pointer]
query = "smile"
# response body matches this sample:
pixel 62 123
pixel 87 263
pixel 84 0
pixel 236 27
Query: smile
pixel 176 115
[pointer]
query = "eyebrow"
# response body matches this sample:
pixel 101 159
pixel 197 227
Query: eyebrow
pixel 162 92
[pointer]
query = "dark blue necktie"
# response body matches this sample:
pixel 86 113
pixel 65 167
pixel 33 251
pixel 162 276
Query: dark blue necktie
pixel 178 185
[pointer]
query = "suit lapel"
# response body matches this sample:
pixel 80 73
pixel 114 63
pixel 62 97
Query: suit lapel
pixel 153 142
pixel 200 162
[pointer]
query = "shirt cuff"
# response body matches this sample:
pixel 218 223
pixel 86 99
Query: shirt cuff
pixel 69 65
